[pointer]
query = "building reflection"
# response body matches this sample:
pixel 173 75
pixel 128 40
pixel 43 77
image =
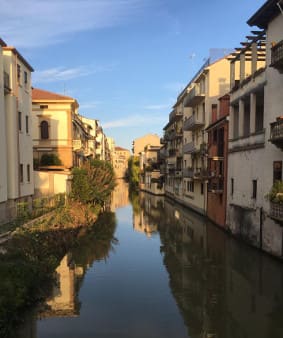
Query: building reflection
pixel 147 218
pixel 223 288
pixel 120 195
pixel 64 301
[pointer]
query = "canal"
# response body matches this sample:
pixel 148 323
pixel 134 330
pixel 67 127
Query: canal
pixel 166 273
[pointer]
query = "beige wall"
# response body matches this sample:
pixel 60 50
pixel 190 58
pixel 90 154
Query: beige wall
pixel 141 142
pixel 50 182
pixel 19 143
pixel 58 116
pixel 3 145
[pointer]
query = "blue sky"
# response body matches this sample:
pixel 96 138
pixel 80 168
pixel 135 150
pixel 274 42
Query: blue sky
pixel 125 61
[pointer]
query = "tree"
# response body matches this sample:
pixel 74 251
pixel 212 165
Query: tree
pixel 93 183
pixel 134 171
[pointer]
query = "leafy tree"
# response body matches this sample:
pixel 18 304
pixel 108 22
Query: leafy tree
pixel 134 171
pixel 93 183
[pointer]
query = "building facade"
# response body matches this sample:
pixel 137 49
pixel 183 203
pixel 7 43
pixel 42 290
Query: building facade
pixel 217 162
pixel 255 148
pixel 16 176
pixel 120 161
pixel 185 137
pixel 140 142
pixel 62 139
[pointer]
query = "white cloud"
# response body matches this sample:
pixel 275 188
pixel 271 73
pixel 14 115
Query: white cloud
pixel 135 121
pixel 33 23
pixel 158 106
pixel 62 73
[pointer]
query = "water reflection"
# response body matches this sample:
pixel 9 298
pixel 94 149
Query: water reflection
pixel 217 288
pixel 222 287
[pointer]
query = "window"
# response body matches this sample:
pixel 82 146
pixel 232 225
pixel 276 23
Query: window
pixel 277 171
pixel 190 186
pixel 21 173
pixel 18 72
pixel 27 126
pixel 232 186
pixel 20 120
pixel 25 77
pixel 44 130
pixel 254 189
pixel 43 106
pixel 28 173
pixel 201 188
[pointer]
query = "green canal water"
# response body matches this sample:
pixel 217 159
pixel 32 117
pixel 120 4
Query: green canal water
pixel 168 273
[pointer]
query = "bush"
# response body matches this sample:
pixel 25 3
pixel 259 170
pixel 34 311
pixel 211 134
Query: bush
pixel 276 193
pixel 50 159
pixel 93 183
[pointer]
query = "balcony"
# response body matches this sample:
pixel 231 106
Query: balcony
pixel 189 148
pixel 77 144
pixel 276 211
pixel 178 172
pixel 174 115
pixel 7 88
pixel 192 123
pixel 172 152
pixel 277 56
pixel 276 133
pixel 201 174
pixel 194 97
pixel 188 172
pixel 216 186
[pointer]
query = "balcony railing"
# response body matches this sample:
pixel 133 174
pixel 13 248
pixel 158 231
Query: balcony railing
pixel 175 115
pixel 188 172
pixel 277 56
pixel 194 96
pixel 276 211
pixel 7 87
pixel 216 186
pixel 276 133
pixel 192 123
pixel 201 173
pixel 189 148
pixel 77 144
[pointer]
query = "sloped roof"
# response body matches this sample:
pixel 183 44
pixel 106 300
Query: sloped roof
pixel 266 13
pixel 120 149
pixel 40 94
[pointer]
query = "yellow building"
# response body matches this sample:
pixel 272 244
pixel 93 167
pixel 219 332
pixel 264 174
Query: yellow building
pixel 59 130
pixel 16 173
pixel 120 161
pixel 185 139
pixel 140 142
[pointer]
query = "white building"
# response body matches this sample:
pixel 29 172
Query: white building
pixel 16 175
pixel 256 133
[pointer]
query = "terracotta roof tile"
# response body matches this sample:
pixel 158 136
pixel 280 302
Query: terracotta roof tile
pixel 40 94
pixel 120 149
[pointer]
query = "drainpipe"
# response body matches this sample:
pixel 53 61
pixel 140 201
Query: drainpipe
pixel 260 227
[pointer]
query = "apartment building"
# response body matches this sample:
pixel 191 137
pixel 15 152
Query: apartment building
pixel 185 137
pixel 173 145
pixel 255 145
pixel 151 179
pixel 16 176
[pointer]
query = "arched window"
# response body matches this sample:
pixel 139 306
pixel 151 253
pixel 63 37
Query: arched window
pixel 44 131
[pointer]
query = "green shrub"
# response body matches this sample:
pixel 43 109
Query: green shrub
pixel 50 159
pixel 276 193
